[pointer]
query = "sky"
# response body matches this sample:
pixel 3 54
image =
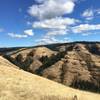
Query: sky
pixel 35 22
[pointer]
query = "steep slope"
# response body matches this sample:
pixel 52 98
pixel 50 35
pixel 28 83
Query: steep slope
pixel 79 69
pixel 5 62
pixel 19 85
pixel 72 64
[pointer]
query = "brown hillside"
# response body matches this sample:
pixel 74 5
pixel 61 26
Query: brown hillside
pixel 74 64
pixel 20 85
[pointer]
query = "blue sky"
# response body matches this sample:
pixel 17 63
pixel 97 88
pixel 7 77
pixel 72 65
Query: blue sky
pixel 33 22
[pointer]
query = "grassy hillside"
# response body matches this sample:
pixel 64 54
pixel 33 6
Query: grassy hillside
pixel 74 64
pixel 16 84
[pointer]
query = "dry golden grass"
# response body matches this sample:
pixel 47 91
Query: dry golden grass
pixel 16 84
pixel 5 62
pixel 42 51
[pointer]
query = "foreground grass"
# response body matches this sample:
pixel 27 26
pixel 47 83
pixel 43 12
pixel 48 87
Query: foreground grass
pixel 16 84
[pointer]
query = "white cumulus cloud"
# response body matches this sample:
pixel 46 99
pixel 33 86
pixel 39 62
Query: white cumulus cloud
pixel 51 40
pixel 14 35
pixel 51 37
pixel 29 32
pixel 85 28
pixel 51 8
pixel 47 40
pixel 98 11
pixel 26 33
pixel 88 14
pixel 55 23
pixel 56 32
